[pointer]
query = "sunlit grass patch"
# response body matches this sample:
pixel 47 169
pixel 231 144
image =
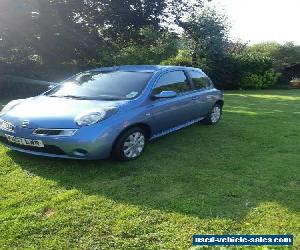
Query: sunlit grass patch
pixel 268 94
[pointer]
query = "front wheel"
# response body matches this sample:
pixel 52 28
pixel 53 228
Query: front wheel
pixel 130 145
pixel 214 115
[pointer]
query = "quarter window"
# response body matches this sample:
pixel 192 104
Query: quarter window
pixel 176 81
pixel 200 81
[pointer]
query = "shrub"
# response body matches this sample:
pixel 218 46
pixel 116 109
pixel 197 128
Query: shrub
pixel 256 71
pixel 259 81
pixel 232 71
pixel 245 70
pixel 225 72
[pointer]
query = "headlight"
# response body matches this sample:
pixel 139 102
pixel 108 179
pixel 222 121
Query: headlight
pixel 10 106
pixel 93 117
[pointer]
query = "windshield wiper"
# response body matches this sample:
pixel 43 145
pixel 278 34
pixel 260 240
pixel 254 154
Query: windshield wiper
pixel 101 97
pixel 72 97
pixel 109 97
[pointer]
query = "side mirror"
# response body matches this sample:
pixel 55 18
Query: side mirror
pixel 165 94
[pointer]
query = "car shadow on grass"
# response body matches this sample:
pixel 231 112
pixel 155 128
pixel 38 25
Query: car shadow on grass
pixel 221 171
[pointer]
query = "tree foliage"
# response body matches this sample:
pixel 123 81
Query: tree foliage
pixel 59 31
pixel 206 34
pixel 52 38
pixel 282 57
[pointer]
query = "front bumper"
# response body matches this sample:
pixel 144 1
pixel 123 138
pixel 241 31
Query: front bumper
pixel 88 143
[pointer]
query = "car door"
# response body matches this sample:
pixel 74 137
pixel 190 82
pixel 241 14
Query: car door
pixel 202 96
pixel 167 113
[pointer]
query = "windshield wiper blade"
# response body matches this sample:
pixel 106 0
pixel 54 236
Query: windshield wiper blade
pixel 101 97
pixel 71 97
pixel 109 97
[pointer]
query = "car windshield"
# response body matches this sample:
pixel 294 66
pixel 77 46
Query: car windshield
pixel 114 85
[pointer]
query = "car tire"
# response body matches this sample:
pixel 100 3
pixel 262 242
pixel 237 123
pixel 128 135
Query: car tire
pixel 214 115
pixel 130 145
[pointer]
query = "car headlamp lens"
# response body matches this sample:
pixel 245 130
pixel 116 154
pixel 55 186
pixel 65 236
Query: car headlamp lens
pixel 10 106
pixel 90 118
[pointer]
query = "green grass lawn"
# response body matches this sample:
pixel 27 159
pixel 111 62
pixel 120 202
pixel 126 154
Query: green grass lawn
pixel 241 176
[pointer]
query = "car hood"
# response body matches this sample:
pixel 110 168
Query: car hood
pixel 55 112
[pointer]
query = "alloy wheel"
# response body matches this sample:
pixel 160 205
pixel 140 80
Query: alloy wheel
pixel 215 114
pixel 134 145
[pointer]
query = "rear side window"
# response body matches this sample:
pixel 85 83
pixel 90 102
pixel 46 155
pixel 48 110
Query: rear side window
pixel 200 81
pixel 176 81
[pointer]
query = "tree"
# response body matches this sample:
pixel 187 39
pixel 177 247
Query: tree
pixel 45 29
pixel 157 46
pixel 70 31
pixel 282 57
pixel 206 33
pixel 266 48
pixel 121 21
pixel 60 36
pixel 206 36
pixel 236 47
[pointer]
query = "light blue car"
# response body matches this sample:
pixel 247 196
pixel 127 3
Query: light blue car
pixel 111 111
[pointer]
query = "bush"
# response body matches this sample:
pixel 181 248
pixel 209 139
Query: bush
pixel 232 71
pixel 245 70
pixel 259 81
pixel 256 71
pixel 225 72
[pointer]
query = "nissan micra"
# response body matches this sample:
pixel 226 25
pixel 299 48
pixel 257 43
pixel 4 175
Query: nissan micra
pixel 111 111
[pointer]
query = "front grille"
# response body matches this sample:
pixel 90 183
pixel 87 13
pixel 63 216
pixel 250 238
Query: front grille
pixel 54 132
pixel 47 131
pixel 48 149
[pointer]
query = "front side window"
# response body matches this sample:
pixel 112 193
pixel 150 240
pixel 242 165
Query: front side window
pixel 113 85
pixel 200 80
pixel 175 81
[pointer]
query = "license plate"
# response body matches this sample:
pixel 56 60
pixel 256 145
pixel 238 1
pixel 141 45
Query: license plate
pixel 7 126
pixel 24 141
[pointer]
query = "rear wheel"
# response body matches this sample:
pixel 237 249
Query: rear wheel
pixel 130 145
pixel 214 115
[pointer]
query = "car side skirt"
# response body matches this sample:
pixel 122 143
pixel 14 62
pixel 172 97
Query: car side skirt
pixel 165 132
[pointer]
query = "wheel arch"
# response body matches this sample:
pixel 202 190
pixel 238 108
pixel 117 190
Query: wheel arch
pixel 141 125
pixel 220 102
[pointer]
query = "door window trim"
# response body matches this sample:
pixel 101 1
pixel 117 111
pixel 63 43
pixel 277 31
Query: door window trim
pixel 188 72
pixel 189 82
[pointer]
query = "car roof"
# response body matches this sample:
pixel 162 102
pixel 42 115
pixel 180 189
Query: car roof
pixel 145 68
